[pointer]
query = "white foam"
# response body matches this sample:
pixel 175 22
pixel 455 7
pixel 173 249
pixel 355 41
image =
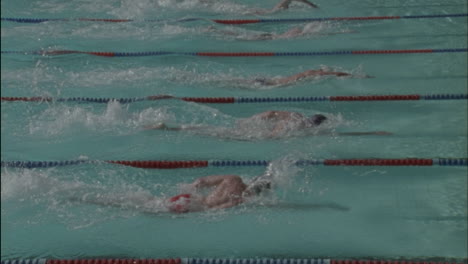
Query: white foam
pixel 60 119
pixel 283 171
pixel 24 184
pixel 43 187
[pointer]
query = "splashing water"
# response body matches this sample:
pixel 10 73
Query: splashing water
pixel 282 171
pixel 147 8
pixel 43 76
pixel 116 117
pixel 76 201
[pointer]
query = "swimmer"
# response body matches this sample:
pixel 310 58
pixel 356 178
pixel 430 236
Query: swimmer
pixel 291 33
pixel 226 191
pixel 278 123
pixel 255 83
pixel 283 5
pixel 313 28
pixel 206 193
pixel 297 77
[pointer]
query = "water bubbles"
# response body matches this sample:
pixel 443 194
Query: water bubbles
pixel 64 119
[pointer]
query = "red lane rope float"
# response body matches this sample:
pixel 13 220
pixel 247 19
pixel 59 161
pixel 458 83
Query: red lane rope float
pixel 232 54
pixel 230 21
pixel 214 100
pixel 236 54
pixel 237 21
pixel 233 261
pixel 230 100
pixel 158 164
pixel 149 164
pixel 27 99
pixel 102 54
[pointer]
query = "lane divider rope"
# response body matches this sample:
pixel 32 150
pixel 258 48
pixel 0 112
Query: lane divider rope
pixel 300 20
pixel 228 21
pixel 233 261
pixel 185 164
pixel 231 100
pixel 231 54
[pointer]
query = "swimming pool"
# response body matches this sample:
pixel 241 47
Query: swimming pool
pixel 317 211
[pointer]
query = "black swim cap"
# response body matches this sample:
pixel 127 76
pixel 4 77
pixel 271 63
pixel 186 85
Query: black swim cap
pixel 258 185
pixel 317 119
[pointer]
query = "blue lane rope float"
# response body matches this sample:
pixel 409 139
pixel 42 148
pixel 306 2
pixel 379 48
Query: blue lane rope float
pixel 235 261
pixel 231 54
pixel 179 164
pixel 229 21
pixel 231 100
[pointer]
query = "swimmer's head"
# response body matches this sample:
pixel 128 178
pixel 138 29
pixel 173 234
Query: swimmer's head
pixel 258 185
pixel 317 120
pixel 265 36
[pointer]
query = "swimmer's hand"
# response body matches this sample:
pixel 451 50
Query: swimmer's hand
pixel 308 3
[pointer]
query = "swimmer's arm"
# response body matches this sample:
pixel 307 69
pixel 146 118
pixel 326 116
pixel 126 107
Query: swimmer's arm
pixel 342 74
pixel 296 77
pixel 266 115
pixel 322 72
pixel 226 32
pixel 279 127
pixel 209 181
pixel 285 4
pixel 380 133
pixel 289 79
pixel 339 74
pixel 261 11
pixel 225 205
pixel 308 3
pixel 163 126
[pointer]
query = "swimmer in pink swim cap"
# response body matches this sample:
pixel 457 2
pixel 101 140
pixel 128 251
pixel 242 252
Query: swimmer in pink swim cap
pixel 227 191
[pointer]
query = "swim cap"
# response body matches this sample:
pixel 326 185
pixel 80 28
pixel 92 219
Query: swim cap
pixel 260 183
pixel 259 186
pixel 179 203
pixel 317 119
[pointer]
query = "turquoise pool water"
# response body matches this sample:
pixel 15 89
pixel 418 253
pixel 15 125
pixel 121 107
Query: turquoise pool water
pixel 315 211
